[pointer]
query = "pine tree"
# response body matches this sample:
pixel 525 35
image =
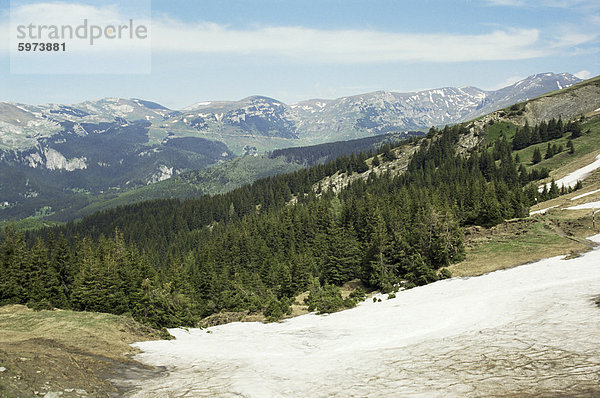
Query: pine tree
pixel 537 156
pixel 85 291
pixel 418 272
pixel 376 266
pixel 490 213
pixel 522 138
pixel 575 129
pixel 554 191
pixel 302 268
pixel 15 277
pixel 48 291
pixel 386 152
pixel 342 258
pixel 62 265
pixel 571 147
pixel 549 152
pixel 375 162
pixel 440 238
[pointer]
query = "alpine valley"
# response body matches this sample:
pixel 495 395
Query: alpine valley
pixel 443 250
pixel 60 162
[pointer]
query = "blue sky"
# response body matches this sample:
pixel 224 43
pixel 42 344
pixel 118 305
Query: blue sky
pixel 295 50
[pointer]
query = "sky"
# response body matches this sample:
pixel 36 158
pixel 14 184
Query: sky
pixel 295 50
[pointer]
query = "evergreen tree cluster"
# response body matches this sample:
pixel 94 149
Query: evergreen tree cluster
pixel 172 262
pixel 322 153
pixel 543 132
pixel 552 150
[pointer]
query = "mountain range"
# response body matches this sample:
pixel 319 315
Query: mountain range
pixel 54 156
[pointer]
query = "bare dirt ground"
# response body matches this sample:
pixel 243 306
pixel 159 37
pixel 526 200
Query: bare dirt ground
pixel 65 353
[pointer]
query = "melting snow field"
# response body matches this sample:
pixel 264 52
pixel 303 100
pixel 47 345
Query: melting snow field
pixel 589 205
pixel 583 195
pixel 533 329
pixel 542 211
pixel 578 175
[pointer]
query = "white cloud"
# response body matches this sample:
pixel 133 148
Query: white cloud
pixel 584 74
pixel 4 29
pixel 324 46
pixel 345 46
pixel 64 13
pixel 506 82
pixel 367 46
pixel 571 36
pixel 117 48
pixel 44 15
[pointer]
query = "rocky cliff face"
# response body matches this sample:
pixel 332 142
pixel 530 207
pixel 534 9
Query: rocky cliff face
pixel 308 122
pixel 573 102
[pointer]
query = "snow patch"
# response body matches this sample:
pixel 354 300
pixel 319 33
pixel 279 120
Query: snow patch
pixel 458 337
pixel 583 195
pixel 121 110
pixel 542 211
pixel 590 205
pixel 578 175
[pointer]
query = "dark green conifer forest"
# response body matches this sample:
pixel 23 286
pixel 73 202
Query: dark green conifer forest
pixel 172 262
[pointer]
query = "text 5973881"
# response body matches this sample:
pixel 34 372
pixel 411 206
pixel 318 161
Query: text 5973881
pixel 42 47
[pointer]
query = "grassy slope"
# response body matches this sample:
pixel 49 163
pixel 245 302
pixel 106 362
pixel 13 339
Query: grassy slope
pixel 213 180
pixel 495 131
pixel 559 232
pixel 519 242
pixel 57 350
pixel 586 147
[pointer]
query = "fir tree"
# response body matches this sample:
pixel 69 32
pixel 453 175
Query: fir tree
pixel 549 152
pixel 15 270
pixel 537 156
pixel 375 162
pixel 571 147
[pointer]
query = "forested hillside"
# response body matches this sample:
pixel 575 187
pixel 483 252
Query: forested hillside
pixel 60 162
pixel 315 154
pixel 172 262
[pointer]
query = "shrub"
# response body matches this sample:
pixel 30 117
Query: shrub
pixel 445 273
pixel 40 305
pixel 328 299
pixel 358 294
pixel 276 309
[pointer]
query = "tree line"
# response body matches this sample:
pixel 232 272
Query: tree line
pixel 172 262
pixel 545 131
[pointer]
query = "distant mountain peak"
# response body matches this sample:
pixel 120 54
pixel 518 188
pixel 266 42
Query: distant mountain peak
pixel 313 120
